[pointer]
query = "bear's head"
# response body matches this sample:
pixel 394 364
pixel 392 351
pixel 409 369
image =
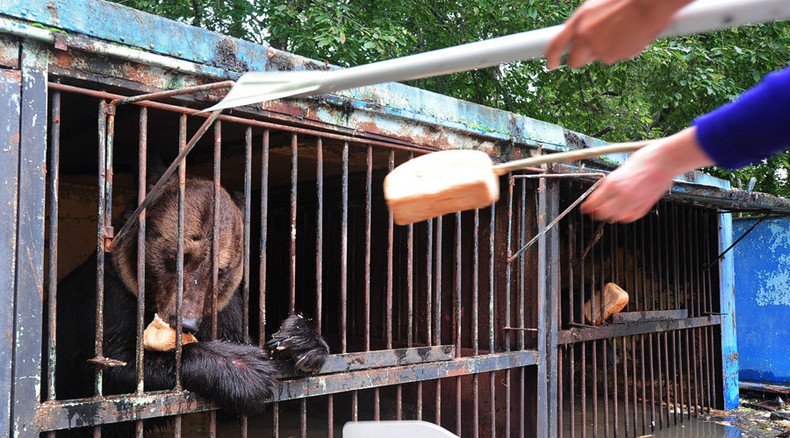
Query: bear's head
pixel 161 252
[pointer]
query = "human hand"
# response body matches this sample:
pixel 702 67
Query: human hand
pixel 610 30
pixel 630 191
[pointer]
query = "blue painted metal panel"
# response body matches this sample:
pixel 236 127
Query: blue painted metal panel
pixel 729 342
pixel 120 24
pixel 30 245
pixel 762 279
pixel 10 89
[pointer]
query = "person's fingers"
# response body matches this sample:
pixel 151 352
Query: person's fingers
pixel 580 55
pixel 558 45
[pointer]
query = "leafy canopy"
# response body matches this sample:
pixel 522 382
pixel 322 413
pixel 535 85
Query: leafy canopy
pixel 653 95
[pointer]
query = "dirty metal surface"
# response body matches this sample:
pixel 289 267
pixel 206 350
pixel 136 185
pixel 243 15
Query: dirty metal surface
pixel 356 380
pixel 762 275
pixel 591 333
pixel 123 25
pixel 30 246
pixel 338 363
pixel 650 315
pixel 729 341
pixel 9 52
pixel 10 93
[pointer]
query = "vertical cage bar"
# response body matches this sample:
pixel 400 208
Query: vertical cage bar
pixel 604 355
pixel 583 369
pixel 594 344
pixel 508 310
pixel 292 251
pixel 182 143
pixel 263 247
pixel 390 234
pixel 344 252
pixel 410 282
pixel 616 278
pixel 245 292
pixel 100 254
pixel 141 193
pixel 303 418
pixel 319 232
pixel 491 338
pixel 476 321
pixel 52 249
pixel 215 252
pixel 457 319
pixel 438 314
pixel 572 320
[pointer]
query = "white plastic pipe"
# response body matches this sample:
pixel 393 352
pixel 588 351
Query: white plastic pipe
pixel 700 16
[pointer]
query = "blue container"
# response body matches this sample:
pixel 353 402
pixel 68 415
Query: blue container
pixel 762 284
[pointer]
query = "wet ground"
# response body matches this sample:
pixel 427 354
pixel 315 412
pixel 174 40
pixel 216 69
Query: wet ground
pixel 747 421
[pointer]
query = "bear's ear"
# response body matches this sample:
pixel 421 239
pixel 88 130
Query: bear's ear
pixel 238 199
pixel 155 169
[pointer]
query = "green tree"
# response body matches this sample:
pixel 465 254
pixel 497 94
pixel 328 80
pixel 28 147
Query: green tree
pixel 653 95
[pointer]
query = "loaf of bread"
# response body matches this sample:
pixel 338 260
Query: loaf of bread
pixel 614 300
pixel 160 336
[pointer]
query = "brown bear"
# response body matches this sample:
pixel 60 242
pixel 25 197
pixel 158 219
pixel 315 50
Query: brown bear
pixel 237 376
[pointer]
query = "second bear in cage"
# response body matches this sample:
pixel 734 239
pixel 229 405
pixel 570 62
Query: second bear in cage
pixel 239 377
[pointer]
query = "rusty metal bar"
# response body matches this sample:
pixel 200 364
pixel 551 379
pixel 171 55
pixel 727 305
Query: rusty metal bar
pixel 344 252
pixel 457 317
pixel 554 222
pixel 245 291
pixel 182 143
pixel 571 314
pixel 141 190
pixel 650 315
pixel 583 369
pixel 491 335
pixel 583 334
pixel 171 93
pixel 476 321
pixel 100 253
pixel 212 427
pixel 594 344
pixel 241 120
pixel 390 248
pixel 437 332
pixel 292 252
pixel 410 282
pixel 319 231
pixel 368 225
pixel 115 408
pixel 52 249
pixel 263 248
pixel 614 239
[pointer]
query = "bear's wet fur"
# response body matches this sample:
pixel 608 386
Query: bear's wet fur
pixel 238 377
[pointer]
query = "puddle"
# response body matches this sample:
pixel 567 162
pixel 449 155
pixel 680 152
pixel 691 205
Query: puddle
pixel 699 428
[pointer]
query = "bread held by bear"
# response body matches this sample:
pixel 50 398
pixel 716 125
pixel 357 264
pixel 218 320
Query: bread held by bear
pixel 160 336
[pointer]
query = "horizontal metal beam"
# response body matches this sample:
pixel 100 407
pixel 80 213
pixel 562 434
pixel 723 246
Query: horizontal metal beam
pixel 592 333
pixel 356 380
pixel 650 315
pixel 340 363
pixel 128 407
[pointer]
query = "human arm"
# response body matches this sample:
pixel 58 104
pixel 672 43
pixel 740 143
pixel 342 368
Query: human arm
pixel 632 189
pixel 751 128
pixel 611 30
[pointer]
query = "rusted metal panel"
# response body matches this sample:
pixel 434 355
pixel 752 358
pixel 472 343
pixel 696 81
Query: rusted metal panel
pixel 548 309
pixel 650 315
pixel 149 32
pixel 729 341
pixel 338 363
pixel 591 333
pixel 9 52
pixel 10 93
pixel 762 274
pixel 30 250
pixel 114 408
pixel 356 380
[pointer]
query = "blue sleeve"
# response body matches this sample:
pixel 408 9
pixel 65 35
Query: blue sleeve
pixel 753 127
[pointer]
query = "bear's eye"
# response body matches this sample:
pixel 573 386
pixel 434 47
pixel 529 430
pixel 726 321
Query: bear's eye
pixel 154 234
pixel 196 237
pixel 223 272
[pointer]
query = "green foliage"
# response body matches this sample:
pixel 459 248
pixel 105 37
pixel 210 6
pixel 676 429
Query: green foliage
pixel 653 95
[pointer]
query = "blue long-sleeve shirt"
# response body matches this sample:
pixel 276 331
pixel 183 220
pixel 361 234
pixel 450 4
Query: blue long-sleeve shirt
pixel 751 128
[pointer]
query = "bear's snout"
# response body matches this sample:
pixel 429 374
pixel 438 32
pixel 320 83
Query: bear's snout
pixel 188 325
